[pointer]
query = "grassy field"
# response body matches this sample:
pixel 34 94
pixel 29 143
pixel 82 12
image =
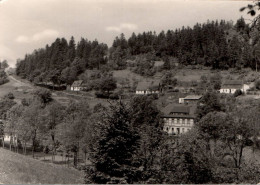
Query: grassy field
pixel 19 169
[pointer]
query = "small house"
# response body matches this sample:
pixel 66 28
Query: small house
pixel 190 99
pixel 77 85
pixel 149 87
pixel 178 119
pixel 230 86
pixel 10 139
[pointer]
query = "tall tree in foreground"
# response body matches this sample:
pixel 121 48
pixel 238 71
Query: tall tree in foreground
pixel 113 156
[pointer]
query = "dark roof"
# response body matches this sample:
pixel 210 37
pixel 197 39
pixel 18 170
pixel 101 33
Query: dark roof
pixel 148 85
pixel 182 111
pixel 232 84
pixel 77 83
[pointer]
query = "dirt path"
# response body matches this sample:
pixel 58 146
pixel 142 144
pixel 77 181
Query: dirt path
pixel 16 87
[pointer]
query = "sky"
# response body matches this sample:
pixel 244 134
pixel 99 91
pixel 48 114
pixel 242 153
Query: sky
pixel 26 25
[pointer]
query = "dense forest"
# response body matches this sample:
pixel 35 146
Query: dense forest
pixel 219 45
pixel 63 61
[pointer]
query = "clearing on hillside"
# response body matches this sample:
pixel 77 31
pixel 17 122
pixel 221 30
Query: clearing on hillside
pixel 19 169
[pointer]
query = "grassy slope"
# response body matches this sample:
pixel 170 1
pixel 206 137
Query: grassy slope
pixel 19 169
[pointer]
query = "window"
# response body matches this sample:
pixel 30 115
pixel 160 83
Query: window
pixel 185 121
pixel 175 121
pixel 170 120
pixel 180 121
pixel 191 121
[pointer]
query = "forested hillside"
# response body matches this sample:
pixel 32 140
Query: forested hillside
pixel 62 62
pixel 220 45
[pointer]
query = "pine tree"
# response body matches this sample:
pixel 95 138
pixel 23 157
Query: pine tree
pixel 113 156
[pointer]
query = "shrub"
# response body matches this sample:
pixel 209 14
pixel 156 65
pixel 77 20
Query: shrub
pixel 257 84
pixel 238 92
pixel 114 96
pixel 100 94
pixel 10 96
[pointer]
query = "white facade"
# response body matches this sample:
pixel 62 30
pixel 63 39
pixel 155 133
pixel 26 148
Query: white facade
pixel 181 100
pixel 10 139
pixel 147 92
pixel 76 88
pixel 228 91
pixel 177 125
pixel 244 89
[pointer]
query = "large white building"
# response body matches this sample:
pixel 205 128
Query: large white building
pixel 178 119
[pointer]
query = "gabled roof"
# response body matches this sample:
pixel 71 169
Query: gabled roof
pixel 179 111
pixel 193 97
pixel 77 83
pixel 148 85
pixel 232 84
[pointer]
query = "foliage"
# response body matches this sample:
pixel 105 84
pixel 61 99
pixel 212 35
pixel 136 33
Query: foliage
pixel 43 95
pixel 62 62
pixel 10 96
pixel 115 148
pixel 144 66
pixel 209 102
pixel 237 93
pixel 257 84
pixel 169 80
pixel 72 128
pixel 5 105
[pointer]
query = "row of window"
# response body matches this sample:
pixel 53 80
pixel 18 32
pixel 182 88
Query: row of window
pixel 176 130
pixel 146 92
pixel 171 121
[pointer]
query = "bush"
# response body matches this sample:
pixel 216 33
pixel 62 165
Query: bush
pixel 237 93
pixel 10 96
pixel 114 96
pixel 257 84
pixel 100 94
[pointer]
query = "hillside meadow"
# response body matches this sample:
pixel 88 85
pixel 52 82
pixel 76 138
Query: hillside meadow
pixel 19 169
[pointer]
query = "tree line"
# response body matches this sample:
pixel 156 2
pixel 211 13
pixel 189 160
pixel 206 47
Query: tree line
pixel 219 45
pixel 62 61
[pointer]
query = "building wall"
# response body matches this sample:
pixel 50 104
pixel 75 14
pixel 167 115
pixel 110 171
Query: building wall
pixel 177 125
pixel 147 92
pixel 76 88
pixel 245 88
pixel 8 139
pixel 181 100
pixel 232 91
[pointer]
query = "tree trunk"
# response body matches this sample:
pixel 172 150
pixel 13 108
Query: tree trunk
pixel 53 148
pixel 25 148
pixel 75 159
pixel 85 153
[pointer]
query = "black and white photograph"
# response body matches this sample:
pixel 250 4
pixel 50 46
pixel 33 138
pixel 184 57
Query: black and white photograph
pixel 129 91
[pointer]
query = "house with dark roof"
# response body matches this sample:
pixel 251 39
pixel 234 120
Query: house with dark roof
pixel 178 119
pixel 230 86
pixel 149 87
pixel 77 86
pixel 190 99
